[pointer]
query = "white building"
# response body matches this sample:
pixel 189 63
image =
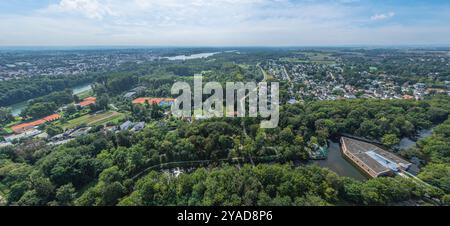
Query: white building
pixel 27 134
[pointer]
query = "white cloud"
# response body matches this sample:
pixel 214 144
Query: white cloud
pixel 208 22
pixel 383 16
pixel 93 9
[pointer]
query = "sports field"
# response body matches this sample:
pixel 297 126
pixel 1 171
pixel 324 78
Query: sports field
pixel 94 119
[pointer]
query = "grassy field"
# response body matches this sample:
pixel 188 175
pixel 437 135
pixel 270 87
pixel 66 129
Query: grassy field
pixel 94 120
pixel 7 128
pixel 321 58
pixel 313 57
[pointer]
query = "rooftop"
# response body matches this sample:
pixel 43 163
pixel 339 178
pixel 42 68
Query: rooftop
pixel 90 99
pixel 87 101
pixel 374 157
pixel 144 100
pixel 50 118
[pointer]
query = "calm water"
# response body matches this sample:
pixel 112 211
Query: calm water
pixel 407 143
pixel 81 88
pixel 193 56
pixel 336 163
pixel 16 109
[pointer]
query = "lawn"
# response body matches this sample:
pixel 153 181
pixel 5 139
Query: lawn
pixel 320 58
pixel 114 119
pixel 7 128
pixel 94 119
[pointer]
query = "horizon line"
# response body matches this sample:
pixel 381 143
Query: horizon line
pixel 88 46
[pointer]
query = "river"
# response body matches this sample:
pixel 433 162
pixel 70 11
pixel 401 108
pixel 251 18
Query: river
pixel 193 56
pixel 16 109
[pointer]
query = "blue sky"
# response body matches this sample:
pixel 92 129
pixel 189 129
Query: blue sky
pixel 225 22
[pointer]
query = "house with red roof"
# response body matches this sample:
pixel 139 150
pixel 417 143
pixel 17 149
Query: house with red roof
pixel 87 101
pixel 90 99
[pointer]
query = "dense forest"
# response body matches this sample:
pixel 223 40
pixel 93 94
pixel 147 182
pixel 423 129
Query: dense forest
pixel 109 169
pixel 263 185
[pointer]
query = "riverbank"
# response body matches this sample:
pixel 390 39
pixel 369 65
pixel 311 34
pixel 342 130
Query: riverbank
pixel 407 143
pixel 16 109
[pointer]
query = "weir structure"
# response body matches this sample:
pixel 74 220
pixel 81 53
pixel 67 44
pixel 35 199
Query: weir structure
pixel 371 159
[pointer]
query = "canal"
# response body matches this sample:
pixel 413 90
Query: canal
pixel 336 163
pixel 16 109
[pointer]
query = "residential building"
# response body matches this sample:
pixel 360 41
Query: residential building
pixel 126 125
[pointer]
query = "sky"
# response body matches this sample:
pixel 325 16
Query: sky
pixel 224 22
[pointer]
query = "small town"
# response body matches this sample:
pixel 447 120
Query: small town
pixel 325 81
pixel 51 63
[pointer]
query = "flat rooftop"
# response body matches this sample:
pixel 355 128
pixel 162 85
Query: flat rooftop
pixel 374 157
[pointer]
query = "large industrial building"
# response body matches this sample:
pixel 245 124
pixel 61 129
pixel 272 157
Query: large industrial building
pixel 371 159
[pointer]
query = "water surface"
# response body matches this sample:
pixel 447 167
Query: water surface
pixel 407 143
pixel 336 163
pixel 193 56
pixel 16 109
